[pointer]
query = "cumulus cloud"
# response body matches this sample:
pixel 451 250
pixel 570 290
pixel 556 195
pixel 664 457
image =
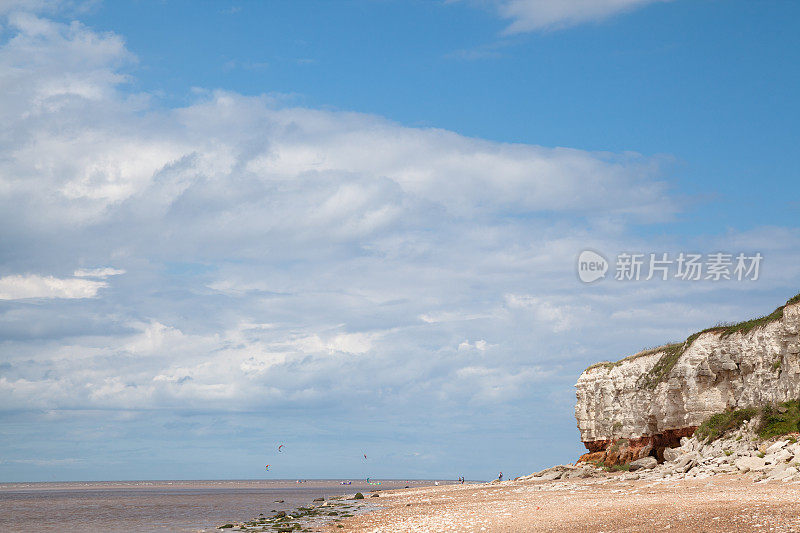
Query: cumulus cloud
pixel 33 286
pixel 533 15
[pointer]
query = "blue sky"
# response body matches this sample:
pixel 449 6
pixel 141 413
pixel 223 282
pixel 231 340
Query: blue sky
pixel 351 227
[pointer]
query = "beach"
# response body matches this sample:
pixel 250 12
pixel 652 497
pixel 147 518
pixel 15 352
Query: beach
pixel 611 503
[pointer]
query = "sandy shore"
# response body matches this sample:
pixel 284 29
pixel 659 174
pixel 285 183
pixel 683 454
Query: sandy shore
pixel 719 503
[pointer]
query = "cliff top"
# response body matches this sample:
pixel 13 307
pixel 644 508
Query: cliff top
pixel 671 353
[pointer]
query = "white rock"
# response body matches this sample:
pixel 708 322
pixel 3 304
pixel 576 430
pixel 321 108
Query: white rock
pixel 670 454
pixel 551 475
pixel 748 464
pixel 781 456
pixel 779 472
pixel 687 461
pixel 645 463
pixel 777 446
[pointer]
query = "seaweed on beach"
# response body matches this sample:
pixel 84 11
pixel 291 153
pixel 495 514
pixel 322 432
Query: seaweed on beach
pixel 298 519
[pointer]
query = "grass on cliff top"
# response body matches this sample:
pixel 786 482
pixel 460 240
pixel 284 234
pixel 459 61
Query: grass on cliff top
pixel 673 352
pixel 776 420
pixel 611 364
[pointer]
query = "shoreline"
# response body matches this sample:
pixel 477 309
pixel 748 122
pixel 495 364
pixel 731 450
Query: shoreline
pixel 320 513
pixel 609 503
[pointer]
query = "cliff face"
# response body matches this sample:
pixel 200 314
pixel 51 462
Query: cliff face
pixel 654 398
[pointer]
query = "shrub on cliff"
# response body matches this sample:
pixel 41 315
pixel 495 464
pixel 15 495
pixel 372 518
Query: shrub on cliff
pixel 721 423
pixel 775 420
pixel 780 420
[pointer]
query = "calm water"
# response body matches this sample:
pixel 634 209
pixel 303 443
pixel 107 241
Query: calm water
pixel 159 506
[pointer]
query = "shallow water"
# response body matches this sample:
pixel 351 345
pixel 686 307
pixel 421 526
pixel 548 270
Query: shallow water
pixel 160 506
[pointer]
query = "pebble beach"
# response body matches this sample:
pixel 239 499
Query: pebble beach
pixel 609 503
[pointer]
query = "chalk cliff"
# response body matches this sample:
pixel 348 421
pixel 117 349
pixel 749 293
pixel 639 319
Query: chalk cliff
pixel 648 401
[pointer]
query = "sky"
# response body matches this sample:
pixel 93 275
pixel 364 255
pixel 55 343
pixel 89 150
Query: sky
pixel 353 227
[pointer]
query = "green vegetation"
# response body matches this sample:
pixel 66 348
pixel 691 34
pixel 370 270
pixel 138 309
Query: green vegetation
pixel 775 420
pixel 780 420
pixel 621 468
pixel 616 446
pixel 358 496
pixel 673 352
pixel 609 365
pixel 721 423
pixel 761 455
pixel 776 366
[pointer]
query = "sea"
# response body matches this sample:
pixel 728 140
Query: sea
pixel 161 506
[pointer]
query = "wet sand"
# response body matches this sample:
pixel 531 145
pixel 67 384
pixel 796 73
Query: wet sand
pixel 716 504
pixel 159 506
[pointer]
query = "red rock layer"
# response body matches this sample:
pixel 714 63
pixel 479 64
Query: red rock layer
pixel 623 451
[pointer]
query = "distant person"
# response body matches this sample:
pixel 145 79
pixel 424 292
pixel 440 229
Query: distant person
pixel 500 477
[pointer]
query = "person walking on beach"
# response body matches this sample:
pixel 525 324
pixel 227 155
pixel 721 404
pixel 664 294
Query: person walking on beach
pixel 500 477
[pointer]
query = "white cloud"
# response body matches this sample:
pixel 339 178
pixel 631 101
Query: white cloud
pixel 532 15
pixel 480 345
pixel 558 317
pixel 296 172
pixel 20 287
pixel 102 272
